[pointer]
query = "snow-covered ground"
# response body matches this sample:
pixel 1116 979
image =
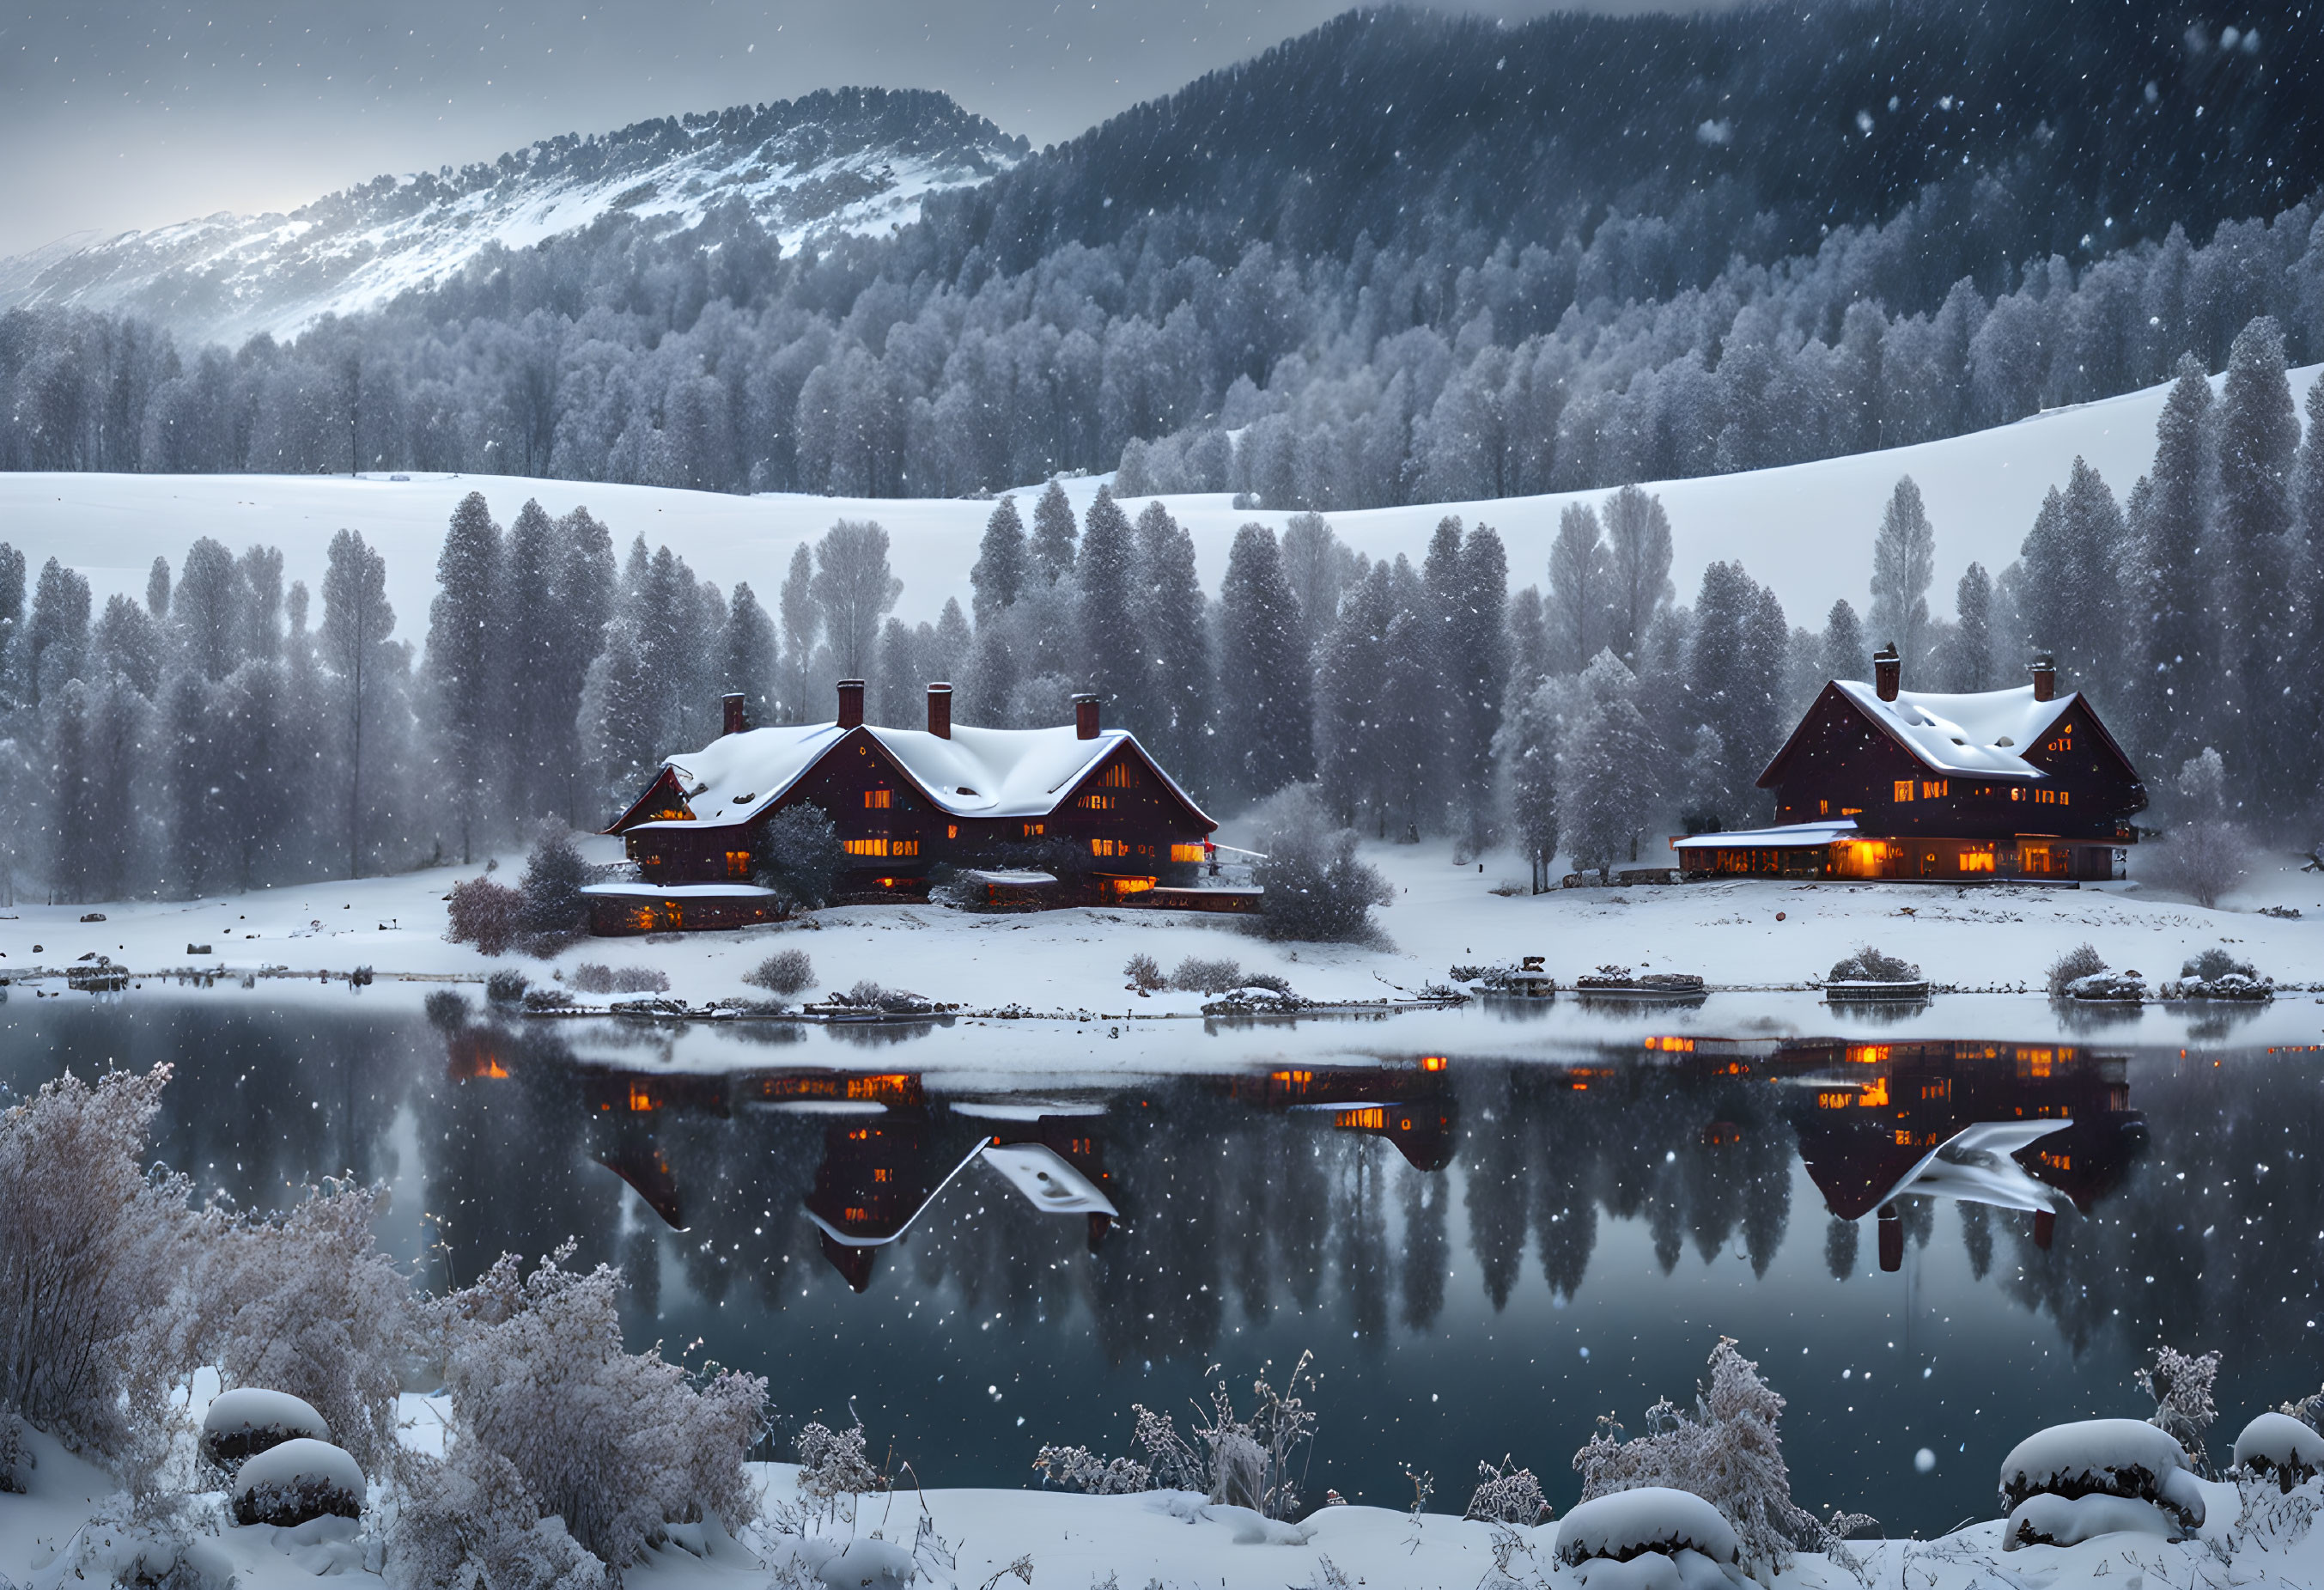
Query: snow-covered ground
pixel 1764 941
pixel 1805 529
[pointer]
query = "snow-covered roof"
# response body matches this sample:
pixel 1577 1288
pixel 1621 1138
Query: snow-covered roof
pixel 975 772
pixel 750 891
pixel 1791 837
pixel 1984 735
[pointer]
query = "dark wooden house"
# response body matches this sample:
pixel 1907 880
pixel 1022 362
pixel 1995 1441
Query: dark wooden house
pixel 1083 803
pixel 1878 781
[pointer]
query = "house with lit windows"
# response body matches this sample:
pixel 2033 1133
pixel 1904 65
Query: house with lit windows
pixel 1879 782
pixel 1064 814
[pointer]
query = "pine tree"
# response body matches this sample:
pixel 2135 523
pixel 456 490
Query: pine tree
pixel 1178 643
pixel 895 701
pixel 1528 740
pixel 1350 708
pixel 802 623
pixel 2072 604
pixel 1263 719
pixel 195 777
pixel 584 604
pixel 207 605
pixel 128 644
pixel 1969 653
pixel 261 569
pixel 157 588
pixel 2180 666
pixel 1606 762
pixel 999 573
pixel 1904 565
pixel 1844 654
pixel 1528 640
pixel 462 647
pixel 2259 437
pixel 1411 705
pixel 56 636
pixel 1320 569
pixel 12 619
pixel 1580 589
pixel 1476 660
pixel 1053 533
pixel 523 659
pixel 356 624
pixel 1638 563
pixel 1735 673
pixel 1113 656
pixel 947 650
pixel 2308 544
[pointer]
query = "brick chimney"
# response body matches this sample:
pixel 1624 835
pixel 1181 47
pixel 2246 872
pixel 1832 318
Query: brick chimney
pixel 940 709
pixel 851 704
pixel 733 702
pixel 1085 716
pixel 1887 671
pixel 2044 669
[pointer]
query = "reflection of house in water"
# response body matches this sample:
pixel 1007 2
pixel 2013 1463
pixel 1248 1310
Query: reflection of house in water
pixel 1409 1104
pixel 2011 1126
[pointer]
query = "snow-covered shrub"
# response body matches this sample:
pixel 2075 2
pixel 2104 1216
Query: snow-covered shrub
pixel 547 999
pixel 1207 974
pixel 616 1444
pixel 2279 1447
pixel 486 914
pixel 2081 961
pixel 799 856
pixel 1144 972
pixel 242 1423
pixel 1506 1494
pixel 91 1248
pixel 869 995
pixel 593 977
pixel 505 987
pixel 2206 853
pixel 785 972
pixel 2308 1410
pixel 1650 1537
pixel 468 1524
pixel 1868 964
pixel 297 1480
pixel 2216 975
pixel 2128 986
pixel 833 1464
pixel 2180 1386
pixel 305 1303
pixel 2071 1481
pixel 1727 1449
pixel 1314 888
pixel 1242 1462
pixel 1077 1468
pixel 640 980
pixel 554 908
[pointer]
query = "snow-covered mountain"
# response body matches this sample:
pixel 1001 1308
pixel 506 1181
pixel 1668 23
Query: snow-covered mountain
pixel 838 161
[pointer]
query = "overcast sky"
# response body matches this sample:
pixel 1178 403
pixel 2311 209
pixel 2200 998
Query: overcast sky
pixel 117 114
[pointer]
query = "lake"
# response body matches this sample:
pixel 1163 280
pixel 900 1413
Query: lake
pixel 1486 1248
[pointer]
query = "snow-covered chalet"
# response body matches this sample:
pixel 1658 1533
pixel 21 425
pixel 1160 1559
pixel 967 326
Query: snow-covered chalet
pixel 1879 782
pixel 1033 816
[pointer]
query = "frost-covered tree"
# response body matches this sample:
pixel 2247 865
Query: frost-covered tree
pixel 356 650
pixel 1177 641
pixel 1580 589
pixel 1114 656
pixel 853 590
pixel 1054 533
pixel 750 655
pixel 464 631
pixel 1262 720
pixel 1477 673
pixel 2178 629
pixel 2259 438
pixel 999 572
pixel 157 588
pixel 1528 743
pixel 1903 564
pixel 1606 757
pixel 207 609
pixel 1320 568
pixel 2070 605
pixel 56 636
pixel 2204 853
pixel 802 626
pixel 1965 661
pixel 1638 563
pixel 1315 886
pixel 1529 629
pixel 615 1444
pixel 1734 679
pixel 1845 656
pixel 798 854
pixel 1350 716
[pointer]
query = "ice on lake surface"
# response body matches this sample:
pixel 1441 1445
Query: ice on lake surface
pixel 1933 1245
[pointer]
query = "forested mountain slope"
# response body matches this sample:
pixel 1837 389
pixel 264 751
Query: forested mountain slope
pixel 1404 258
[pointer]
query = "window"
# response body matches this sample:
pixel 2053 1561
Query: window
pixel 1904 789
pixel 1098 802
pixel 1108 847
pixel 1934 789
pixel 1117 776
pixel 864 846
pixel 738 864
pixel 1034 830
pixel 1186 852
pixel 1823 809
pixel 879 798
pixel 952 830
pixel 881 1173
pixel 903 847
pixel 1978 859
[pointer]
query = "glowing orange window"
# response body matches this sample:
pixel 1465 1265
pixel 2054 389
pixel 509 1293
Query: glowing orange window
pixel 1904 789
pixel 879 798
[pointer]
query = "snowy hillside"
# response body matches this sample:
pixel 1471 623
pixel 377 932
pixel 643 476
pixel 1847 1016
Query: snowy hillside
pixel 1804 528
pixel 850 160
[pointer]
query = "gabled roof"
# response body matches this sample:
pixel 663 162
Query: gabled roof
pixel 1984 735
pixel 977 773
pixel 1790 837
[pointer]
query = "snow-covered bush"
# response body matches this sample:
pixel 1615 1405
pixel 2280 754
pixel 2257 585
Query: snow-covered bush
pixel 297 1480
pixel 785 972
pixel 486 914
pixel 798 855
pixel 1506 1494
pixel 1144 972
pixel 1868 964
pixel 2124 986
pixel 2081 961
pixel 1650 1537
pixel 468 1524
pixel 2279 1447
pixel 2180 1386
pixel 833 1463
pixel 240 1424
pixel 91 1248
pixel 554 908
pixel 1242 1462
pixel 505 987
pixel 2071 1481
pixel 2206 853
pixel 305 1303
pixel 616 1444
pixel 1727 1449
pixel 1314 888
pixel 16 1460
pixel 2216 975
pixel 869 995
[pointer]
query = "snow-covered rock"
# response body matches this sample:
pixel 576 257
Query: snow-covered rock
pixel 2122 1458
pixel 2280 1445
pixel 244 1422
pixel 301 1479
pixel 1653 1538
pixel 1254 1001
pixel 2128 987
pixel 2068 1520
